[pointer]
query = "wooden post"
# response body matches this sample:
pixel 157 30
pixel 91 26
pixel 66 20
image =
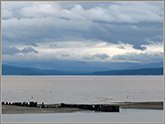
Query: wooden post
pixel 43 106
pixel 62 104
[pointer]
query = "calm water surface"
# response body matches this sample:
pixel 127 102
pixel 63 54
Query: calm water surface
pixel 125 115
pixel 82 89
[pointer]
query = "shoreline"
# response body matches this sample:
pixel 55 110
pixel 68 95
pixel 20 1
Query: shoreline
pixel 141 105
pixel 12 109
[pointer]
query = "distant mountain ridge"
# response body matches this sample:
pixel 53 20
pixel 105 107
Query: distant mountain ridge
pixel 83 66
pixel 143 71
pixel 14 70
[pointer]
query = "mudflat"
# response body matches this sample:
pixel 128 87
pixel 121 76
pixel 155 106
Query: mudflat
pixel 141 105
pixel 11 109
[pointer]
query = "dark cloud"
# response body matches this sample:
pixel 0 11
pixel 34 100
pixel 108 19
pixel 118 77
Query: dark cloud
pixel 121 47
pixel 65 55
pixel 101 56
pixel 10 50
pixel 28 50
pixel 14 50
pixel 137 46
pixel 96 56
pixel 134 34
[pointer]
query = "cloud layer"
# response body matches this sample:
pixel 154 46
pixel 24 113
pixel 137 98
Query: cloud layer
pixel 86 31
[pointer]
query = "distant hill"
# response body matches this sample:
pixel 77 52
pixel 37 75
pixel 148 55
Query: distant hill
pixel 82 66
pixel 144 71
pixel 14 70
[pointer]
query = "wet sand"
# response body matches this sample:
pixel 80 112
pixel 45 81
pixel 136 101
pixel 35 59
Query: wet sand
pixel 11 109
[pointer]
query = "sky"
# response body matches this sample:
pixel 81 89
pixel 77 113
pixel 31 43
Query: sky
pixel 82 31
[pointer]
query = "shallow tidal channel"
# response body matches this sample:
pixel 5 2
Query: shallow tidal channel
pixel 125 115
